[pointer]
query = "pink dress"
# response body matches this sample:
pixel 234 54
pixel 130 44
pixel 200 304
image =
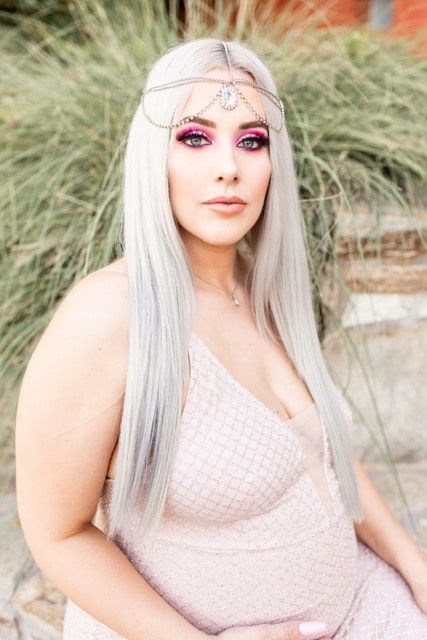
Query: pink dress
pixel 254 529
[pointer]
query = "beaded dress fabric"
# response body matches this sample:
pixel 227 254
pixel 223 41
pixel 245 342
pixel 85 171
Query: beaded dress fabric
pixel 254 530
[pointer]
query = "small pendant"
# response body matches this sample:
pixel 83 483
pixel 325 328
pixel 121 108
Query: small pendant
pixel 228 96
pixel 235 301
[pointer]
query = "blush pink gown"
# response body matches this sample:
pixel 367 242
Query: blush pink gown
pixel 254 529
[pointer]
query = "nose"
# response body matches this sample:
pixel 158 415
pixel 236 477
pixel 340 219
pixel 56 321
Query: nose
pixel 226 167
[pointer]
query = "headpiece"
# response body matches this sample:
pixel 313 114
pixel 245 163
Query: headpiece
pixel 227 95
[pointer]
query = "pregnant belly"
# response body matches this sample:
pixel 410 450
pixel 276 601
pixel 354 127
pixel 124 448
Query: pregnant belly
pixel 313 578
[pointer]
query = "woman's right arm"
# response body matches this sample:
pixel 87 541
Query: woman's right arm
pixel 67 421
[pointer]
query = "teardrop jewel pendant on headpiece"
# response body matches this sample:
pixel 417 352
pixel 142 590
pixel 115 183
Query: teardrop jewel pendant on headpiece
pixel 228 96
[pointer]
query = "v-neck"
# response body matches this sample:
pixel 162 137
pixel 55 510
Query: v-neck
pixel 249 394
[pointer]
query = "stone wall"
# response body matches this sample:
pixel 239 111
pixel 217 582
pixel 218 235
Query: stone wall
pixel 376 347
pixel 378 353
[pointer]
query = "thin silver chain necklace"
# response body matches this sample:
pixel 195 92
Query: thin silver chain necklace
pixel 235 300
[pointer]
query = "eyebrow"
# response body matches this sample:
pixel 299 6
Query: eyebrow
pixel 244 125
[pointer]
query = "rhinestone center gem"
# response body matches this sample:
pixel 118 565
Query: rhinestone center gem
pixel 228 97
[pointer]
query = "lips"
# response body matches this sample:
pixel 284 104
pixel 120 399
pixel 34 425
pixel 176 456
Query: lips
pixel 225 200
pixel 228 208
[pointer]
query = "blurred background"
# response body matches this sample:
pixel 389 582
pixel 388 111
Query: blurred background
pixel 353 78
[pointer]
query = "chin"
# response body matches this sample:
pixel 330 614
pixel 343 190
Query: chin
pixel 220 241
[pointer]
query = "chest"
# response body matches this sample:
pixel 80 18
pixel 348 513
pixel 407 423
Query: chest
pixel 236 458
pixel 259 366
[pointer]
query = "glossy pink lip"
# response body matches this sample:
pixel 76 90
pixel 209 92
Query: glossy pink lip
pixel 226 199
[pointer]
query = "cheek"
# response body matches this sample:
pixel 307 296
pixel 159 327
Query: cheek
pixel 260 178
pixel 183 173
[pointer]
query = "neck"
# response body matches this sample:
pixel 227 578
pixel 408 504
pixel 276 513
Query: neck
pixel 220 266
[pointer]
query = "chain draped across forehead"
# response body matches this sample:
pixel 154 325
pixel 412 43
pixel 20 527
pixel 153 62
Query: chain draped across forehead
pixel 227 96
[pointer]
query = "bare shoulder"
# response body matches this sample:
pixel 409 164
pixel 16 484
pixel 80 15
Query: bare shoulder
pixel 101 297
pixel 93 317
pixel 69 409
pixel 117 266
pixel 93 313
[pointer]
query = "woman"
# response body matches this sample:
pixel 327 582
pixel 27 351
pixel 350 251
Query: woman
pixel 184 461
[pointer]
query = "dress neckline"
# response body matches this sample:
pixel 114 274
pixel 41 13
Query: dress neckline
pixel 251 396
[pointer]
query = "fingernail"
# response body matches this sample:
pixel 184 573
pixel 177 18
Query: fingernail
pixel 312 628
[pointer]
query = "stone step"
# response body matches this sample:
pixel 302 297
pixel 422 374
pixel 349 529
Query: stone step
pixel 391 233
pixel 379 359
pixel 374 276
pixel 385 310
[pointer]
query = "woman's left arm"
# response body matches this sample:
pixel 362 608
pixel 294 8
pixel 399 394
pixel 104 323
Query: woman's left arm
pixel 382 532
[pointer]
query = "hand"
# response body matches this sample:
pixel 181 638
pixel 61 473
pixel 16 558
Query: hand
pixel 275 631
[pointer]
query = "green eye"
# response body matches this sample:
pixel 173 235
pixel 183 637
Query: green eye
pixel 262 142
pixel 190 136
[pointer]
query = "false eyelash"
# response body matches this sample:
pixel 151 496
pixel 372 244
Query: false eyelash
pixel 263 140
pixel 191 132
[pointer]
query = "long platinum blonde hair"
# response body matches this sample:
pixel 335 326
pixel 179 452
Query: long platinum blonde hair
pixel 161 293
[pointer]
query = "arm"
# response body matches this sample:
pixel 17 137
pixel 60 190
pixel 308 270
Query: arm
pixel 67 422
pixel 98 577
pixel 382 531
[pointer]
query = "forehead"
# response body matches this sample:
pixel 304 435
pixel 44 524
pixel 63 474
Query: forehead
pixel 204 92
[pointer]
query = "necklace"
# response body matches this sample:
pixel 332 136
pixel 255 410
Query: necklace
pixel 235 300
